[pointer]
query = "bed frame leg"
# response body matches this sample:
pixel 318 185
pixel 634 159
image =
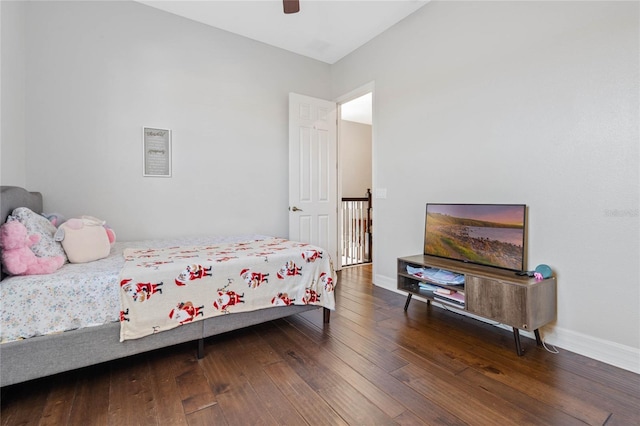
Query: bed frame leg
pixel 200 348
pixel 326 315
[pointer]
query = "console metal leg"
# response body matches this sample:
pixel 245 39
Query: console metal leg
pixel 200 348
pixel 406 304
pixel 538 339
pixel 516 337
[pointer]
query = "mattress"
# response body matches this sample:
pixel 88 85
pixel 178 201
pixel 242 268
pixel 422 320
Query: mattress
pixel 77 295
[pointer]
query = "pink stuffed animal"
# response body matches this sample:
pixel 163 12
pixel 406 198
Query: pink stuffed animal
pixel 17 257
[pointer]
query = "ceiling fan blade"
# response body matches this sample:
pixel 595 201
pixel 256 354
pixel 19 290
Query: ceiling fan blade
pixel 291 6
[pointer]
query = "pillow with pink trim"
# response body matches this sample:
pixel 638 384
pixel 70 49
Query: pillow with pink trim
pixel 40 225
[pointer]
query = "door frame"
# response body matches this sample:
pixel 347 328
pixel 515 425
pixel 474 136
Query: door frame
pixel 349 96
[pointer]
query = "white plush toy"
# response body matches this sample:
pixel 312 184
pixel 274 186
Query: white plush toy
pixel 85 239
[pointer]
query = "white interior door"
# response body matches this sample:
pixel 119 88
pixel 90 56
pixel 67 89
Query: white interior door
pixel 313 203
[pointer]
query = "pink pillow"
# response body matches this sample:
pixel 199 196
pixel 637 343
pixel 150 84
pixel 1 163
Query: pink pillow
pixel 39 225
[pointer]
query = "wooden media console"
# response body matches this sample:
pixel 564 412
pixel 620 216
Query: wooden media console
pixel 521 302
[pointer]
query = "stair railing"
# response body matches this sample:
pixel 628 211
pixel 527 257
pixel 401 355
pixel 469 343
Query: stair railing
pixel 357 237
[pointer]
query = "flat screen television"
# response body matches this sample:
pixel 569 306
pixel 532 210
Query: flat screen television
pixel 485 234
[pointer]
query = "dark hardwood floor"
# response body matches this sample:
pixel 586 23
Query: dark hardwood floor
pixel 373 364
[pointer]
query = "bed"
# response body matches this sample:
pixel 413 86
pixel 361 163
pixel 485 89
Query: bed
pixel 91 332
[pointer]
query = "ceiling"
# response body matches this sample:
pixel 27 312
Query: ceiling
pixel 326 30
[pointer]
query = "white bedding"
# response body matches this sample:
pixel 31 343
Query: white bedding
pixel 77 295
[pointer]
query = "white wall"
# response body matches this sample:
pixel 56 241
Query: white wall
pixel 99 71
pixel 355 158
pixel 532 102
pixel 12 94
pixel 518 102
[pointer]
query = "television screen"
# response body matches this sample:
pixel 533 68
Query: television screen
pixel 486 234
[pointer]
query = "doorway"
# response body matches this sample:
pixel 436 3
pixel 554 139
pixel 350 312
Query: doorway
pixel 355 136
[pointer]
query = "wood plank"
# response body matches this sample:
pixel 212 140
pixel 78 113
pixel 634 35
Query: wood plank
pixel 602 385
pixel 275 402
pixel 218 368
pixel 91 392
pixel 305 400
pixel 195 391
pixel 354 407
pixel 325 381
pixel 240 407
pixel 238 400
pixel 443 393
pixel 481 360
pixel 425 409
pixel 407 418
pixel 178 371
pixel 250 357
pixel 302 335
pixel 545 413
pixel 491 360
pixel 210 416
pixel 59 403
pixel 381 355
pixel 131 399
pixel 166 365
pixel 434 347
pixel 480 391
pixel 314 374
pixel 23 404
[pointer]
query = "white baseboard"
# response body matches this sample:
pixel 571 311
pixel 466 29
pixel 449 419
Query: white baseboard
pixel 612 353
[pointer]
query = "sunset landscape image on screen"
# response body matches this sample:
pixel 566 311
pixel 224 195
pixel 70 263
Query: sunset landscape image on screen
pixel 484 234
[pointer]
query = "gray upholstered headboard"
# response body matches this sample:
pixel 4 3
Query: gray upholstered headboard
pixel 12 197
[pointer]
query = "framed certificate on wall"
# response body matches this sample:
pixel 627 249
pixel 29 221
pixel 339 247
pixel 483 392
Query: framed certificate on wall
pixel 156 157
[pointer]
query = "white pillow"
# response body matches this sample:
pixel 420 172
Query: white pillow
pixel 39 225
pixel 84 239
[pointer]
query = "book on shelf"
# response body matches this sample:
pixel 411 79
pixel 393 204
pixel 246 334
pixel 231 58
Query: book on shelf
pixel 427 286
pixel 441 290
pixel 449 302
pixel 443 276
pixel 454 297
pixel 438 276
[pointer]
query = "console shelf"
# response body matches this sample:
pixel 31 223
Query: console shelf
pixel 520 302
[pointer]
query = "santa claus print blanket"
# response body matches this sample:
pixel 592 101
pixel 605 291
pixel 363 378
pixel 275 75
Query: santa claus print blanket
pixel 163 288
